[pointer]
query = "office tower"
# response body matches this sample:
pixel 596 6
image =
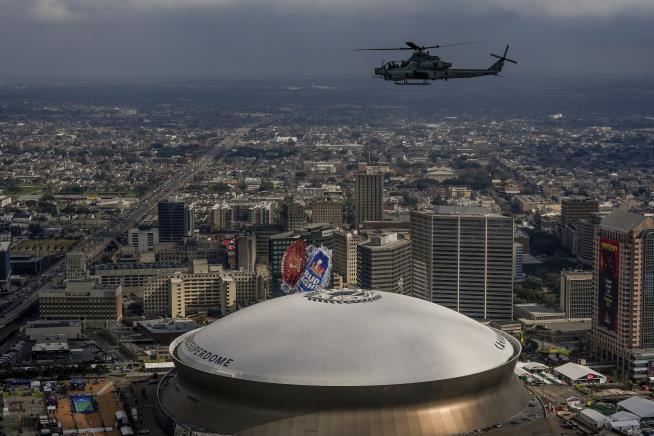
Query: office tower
pixel 175 221
pixel 76 264
pixel 94 305
pixel 368 197
pixel 240 214
pixel 575 208
pixel 463 259
pixel 5 265
pixel 222 217
pixel 570 237
pixel 327 211
pixel 262 235
pixel 344 254
pixel 292 216
pixel 518 261
pixel 313 234
pixel 522 238
pixel 586 237
pixel 143 238
pixel 384 264
pixel 623 293
pixel 246 252
pixel 577 294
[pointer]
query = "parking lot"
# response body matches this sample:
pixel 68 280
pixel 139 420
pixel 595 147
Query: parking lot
pixel 557 394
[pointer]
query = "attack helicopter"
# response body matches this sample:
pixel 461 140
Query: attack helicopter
pixel 421 67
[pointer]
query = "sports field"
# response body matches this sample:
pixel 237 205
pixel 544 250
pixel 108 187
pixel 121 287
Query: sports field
pixel 83 403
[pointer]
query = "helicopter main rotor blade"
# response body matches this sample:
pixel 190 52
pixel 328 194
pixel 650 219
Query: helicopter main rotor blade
pixel 382 49
pixel 456 44
pixel 415 47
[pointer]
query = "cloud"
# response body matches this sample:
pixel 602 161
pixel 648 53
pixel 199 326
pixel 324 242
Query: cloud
pixel 53 11
pixel 570 8
pixel 66 10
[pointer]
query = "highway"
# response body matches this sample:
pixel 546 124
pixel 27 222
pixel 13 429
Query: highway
pixel 93 245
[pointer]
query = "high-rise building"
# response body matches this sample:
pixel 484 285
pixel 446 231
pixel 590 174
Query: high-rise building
pixel 576 208
pixel 518 261
pixel 76 265
pixel 570 237
pixel 143 238
pixel 327 211
pixel 522 238
pixel 292 216
pixel 94 305
pixel 239 214
pixel 262 235
pixel 463 259
pixel 313 234
pixel 175 221
pixel 586 237
pixel 384 264
pixel 369 197
pixel 623 292
pixel 5 265
pixel 577 294
pixel 246 252
pixel 344 254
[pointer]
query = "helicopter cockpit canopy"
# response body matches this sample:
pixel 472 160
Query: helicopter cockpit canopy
pixel 395 64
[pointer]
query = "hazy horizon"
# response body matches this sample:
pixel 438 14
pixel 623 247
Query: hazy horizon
pixel 298 40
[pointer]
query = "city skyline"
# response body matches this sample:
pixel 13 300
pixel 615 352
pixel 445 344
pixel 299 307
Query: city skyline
pixel 213 220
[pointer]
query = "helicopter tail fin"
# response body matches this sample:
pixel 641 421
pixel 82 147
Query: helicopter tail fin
pixel 497 66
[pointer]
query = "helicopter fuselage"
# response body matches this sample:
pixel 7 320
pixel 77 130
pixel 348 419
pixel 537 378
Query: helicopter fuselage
pixel 422 66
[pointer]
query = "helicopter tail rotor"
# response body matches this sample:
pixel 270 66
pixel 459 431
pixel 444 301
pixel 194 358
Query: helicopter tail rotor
pixel 497 66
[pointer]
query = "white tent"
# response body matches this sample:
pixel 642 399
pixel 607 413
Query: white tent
pixel 593 418
pixel 638 406
pixel 575 373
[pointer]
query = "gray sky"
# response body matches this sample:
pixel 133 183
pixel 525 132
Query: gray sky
pixel 303 39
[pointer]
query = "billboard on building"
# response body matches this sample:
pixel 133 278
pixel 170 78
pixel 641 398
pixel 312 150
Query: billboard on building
pixel 608 275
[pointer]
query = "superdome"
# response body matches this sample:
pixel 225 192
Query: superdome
pixel 345 339
pixel 337 357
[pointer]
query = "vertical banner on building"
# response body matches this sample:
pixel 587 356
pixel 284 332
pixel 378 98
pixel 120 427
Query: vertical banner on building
pixel 608 275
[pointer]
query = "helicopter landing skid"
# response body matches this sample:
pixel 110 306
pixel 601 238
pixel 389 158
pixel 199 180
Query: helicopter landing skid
pixel 406 82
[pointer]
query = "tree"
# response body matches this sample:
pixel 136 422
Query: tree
pixel 46 204
pixel 10 186
pixel 221 188
pixel 266 186
pixel 36 229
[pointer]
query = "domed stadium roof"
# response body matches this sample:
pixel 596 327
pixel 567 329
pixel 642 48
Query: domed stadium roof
pixel 344 338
